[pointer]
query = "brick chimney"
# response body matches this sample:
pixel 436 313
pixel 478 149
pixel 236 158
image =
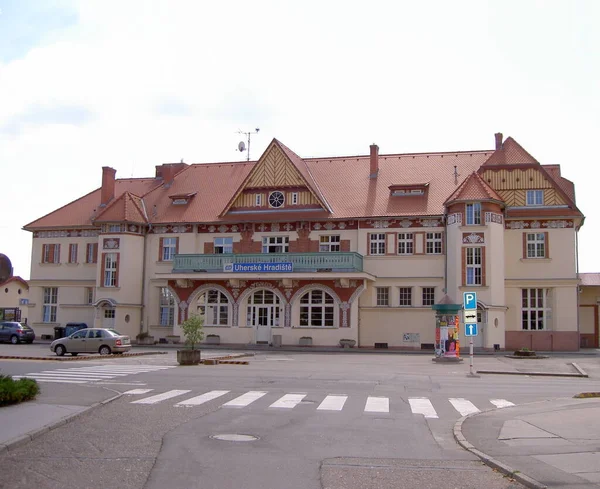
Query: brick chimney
pixel 498 136
pixel 108 185
pixel 167 171
pixel 374 168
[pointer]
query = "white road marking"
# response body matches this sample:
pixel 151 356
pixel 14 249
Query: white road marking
pixel 288 401
pixel 422 405
pixel 161 397
pixel 138 391
pixel 501 403
pixel 333 403
pixel 463 406
pixel 196 401
pixel 17 377
pixel 245 399
pixel 377 405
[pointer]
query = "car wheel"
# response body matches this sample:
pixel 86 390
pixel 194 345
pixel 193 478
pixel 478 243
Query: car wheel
pixel 74 354
pixel 14 339
pixel 104 350
pixel 60 350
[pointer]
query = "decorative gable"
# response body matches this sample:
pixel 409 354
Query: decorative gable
pixel 274 170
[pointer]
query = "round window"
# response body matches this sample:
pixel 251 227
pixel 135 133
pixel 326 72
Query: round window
pixel 276 199
pixel 127 318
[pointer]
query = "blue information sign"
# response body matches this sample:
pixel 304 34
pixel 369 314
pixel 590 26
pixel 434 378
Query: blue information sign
pixel 469 300
pixel 471 329
pixel 259 267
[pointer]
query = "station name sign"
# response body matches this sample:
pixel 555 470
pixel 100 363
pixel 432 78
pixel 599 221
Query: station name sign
pixel 259 267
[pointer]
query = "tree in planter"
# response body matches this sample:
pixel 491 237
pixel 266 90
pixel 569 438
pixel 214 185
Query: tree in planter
pixel 193 334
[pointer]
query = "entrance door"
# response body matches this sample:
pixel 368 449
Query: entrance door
pixel 263 324
pixel 108 320
pixel 478 341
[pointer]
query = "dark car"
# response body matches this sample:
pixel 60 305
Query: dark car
pixel 16 332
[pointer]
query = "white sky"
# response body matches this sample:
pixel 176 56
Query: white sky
pixel 133 84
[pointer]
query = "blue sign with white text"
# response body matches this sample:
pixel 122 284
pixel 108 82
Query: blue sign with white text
pixel 471 329
pixel 259 267
pixel 469 300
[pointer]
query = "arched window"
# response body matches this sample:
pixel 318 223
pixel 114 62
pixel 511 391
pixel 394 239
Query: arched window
pixel 317 309
pixel 214 306
pixel 167 307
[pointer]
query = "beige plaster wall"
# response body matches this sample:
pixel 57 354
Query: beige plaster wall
pixel 388 325
pixel 10 295
pixel 62 270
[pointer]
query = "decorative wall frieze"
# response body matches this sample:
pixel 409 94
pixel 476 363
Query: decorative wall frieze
pixel 111 243
pixel 172 229
pixel 400 223
pixel 67 233
pixel 331 225
pixel 494 217
pixel 473 238
pixel 540 224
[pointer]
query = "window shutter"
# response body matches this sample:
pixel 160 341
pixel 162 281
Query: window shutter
pixel 44 248
pixel 118 255
pixel 524 245
pixel 160 248
pixel 546 245
pixel 88 253
pixel 95 252
pixel 177 245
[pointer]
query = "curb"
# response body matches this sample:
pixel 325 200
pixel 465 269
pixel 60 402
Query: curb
pixel 231 362
pixel 78 358
pixel 538 374
pixel 582 372
pixel 492 462
pixel 24 439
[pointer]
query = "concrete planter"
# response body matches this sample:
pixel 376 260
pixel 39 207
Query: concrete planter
pixel 347 343
pixel 188 357
pixel 305 341
pixel 146 340
pixel 213 339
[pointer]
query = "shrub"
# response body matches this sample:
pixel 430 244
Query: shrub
pixel 192 330
pixel 14 391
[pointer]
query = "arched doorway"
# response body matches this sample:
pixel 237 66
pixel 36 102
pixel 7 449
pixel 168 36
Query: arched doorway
pixel 106 313
pixel 264 311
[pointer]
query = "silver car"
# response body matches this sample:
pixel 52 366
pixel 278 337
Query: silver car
pixel 92 340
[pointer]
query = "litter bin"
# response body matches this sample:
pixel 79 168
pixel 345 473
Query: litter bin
pixel 277 340
pixel 59 332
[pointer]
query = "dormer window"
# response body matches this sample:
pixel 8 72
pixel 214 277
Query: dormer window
pixel 408 190
pixel 473 212
pixel 181 199
pixel 276 199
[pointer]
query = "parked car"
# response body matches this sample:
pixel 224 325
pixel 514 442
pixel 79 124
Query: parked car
pixel 16 332
pixel 92 340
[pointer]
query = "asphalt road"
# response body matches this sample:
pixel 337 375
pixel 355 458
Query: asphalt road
pixel 311 424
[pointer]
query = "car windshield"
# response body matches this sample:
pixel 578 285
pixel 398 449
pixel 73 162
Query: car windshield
pixel 114 332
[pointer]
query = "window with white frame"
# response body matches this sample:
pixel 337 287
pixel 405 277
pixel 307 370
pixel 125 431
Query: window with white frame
pixel 51 253
pixel 428 296
pixel 275 244
pixel 50 304
pixel 405 243
pixel 536 245
pixel 294 198
pixel 405 296
pixel 258 200
pixel 329 243
pixel 114 228
pixel 167 307
pixel 89 295
pixel 223 245
pixel 110 270
pixel 91 253
pixel 73 253
pixel 535 197
pixel 473 266
pixel 382 296
pixel 317 309
pixel 535 309
pixel 214 306
pixel 473 213
pixel 377 243
pixel 168 248
pixel 433 243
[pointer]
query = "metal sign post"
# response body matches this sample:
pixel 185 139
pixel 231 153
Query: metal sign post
pixel 470 319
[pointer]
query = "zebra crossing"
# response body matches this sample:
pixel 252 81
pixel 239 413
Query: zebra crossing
pixel 90 374
pixel 331 402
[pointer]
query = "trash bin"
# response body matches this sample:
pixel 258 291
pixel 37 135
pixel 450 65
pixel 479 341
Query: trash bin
pixel 277 340
pixel 59 332
pixel 72 327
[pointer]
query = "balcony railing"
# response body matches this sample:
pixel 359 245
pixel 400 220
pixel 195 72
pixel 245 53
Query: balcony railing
pixel 302 262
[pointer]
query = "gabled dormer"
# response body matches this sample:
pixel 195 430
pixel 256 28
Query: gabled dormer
pixel 280 181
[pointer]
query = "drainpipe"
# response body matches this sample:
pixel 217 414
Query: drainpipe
pixel 444 217
pixel 577 272
pixel 145 243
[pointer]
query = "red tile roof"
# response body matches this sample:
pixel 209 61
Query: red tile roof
pixel 590 279
pixel 511 153
pixel 474 188
pixel 125 208
pixel 15 278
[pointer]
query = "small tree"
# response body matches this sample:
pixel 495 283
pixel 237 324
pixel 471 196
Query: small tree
pixel 192 330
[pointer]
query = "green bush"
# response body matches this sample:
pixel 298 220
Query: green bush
pixel 192 330
pixel 14 391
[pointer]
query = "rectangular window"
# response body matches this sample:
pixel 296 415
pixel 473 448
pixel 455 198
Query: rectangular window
pixel 433 243
pixel 91 253
pixel 51 253
pixel 258 200
pixel 406 296
pixel 383 296
pixel 110 269
pixel 294 198
pixel 329 243
pixel 536 245
pixel 535 309
pixel 473 266
pixel 73 253
pixel 167 307
pixel 50 304
pixel 223 245
pixel 405 243
pixel 89 295
pixel 275 244
pixel 168 248
pixel 474 213
pixel 428 296
pixel 114 228
pixel 377 243
pixel 535 197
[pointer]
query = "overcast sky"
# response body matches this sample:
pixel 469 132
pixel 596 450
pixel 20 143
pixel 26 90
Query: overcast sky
pixel 133 84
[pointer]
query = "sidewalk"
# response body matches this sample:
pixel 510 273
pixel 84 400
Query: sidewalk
pixel 553 443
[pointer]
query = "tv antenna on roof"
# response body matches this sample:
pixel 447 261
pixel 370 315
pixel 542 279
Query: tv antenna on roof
pixel 242 146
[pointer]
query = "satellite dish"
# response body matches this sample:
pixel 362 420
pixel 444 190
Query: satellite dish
pixel 242 146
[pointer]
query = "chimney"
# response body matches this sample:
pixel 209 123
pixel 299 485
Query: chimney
pixel 498 140
pixel 108 185
pixel 168 171
pixel 374 169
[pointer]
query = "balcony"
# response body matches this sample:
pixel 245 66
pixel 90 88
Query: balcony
pixel 301 262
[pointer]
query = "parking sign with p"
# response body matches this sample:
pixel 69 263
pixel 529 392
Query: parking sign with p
pixel 469 300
